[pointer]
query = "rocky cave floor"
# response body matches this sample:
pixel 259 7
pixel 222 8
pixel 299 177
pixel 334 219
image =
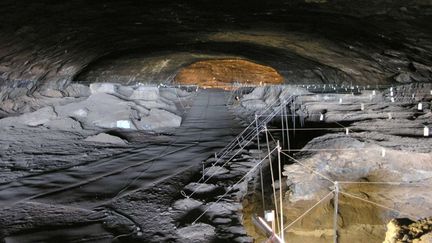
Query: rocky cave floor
pixel 34 145
pixel 369 136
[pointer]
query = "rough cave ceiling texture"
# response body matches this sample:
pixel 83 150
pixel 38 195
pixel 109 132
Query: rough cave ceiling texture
pixel 48 44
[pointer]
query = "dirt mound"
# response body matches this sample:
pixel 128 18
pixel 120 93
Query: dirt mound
pixel 222 73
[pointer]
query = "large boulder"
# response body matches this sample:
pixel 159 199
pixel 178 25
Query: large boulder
pixel 254 105
pixel 145 93
pixel 77 90
pixel 32 119
pixel 100 110
pixel 256 94
pixel 196 233
pixel 158 119
pixel 66 124
pixel 403 78
pixel 108 88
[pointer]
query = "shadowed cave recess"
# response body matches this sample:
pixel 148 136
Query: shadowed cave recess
pixel 158 121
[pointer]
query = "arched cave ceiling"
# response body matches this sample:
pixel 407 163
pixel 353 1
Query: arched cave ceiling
pixel 48 44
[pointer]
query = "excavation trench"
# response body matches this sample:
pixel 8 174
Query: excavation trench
pixel 254 205
pixel 357 219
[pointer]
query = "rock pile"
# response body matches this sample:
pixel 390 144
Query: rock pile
pixel 222 217
pixel 110 106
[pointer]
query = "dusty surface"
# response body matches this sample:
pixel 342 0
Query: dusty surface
pixel 139 185
pixel 224 73
pixel 31 151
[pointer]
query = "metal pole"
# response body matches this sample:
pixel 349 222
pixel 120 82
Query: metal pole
pixel 287 128
pixel 272 176
pixel 280 193
pixel 282 123
pixel 335 216
pixel 259 159
pixel 293 111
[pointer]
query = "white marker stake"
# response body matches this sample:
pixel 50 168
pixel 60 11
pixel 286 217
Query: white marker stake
pixel 373 92
pixel 383 152
pixel 420 106
pixel 392 100
pixel 426 131
pixel 124 124
pixel 340 100
pixel 269 216
pixel 346 131
pixel 362 106
pixel 389 116
pixel 321 117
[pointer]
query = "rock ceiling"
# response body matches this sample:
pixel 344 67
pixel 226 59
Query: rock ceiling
pixel 48 44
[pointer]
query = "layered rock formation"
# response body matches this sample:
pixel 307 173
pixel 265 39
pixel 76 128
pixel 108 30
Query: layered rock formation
pixel 224 73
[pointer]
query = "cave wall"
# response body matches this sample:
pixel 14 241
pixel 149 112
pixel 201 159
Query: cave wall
pixel 47 44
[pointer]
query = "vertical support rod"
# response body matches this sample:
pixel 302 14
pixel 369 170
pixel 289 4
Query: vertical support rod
pixel 335 215
pixel 282 235
pixel 294 116
pixel 282 124
pixel 288 145
pixel 272 176
pixel 259 159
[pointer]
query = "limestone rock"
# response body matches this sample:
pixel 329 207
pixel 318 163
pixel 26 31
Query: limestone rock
pixel 77 90
pixel 200 187
pixel 215 171
pixel 126 91
pixel 105 138
pixel 222 209
pixel 100 110
pixel 64 124
pixel 197 233
pixel 403 78
pixel 108 88
pixel 51 93
pixel 256 94
pixel 186 204
pixel 255 105
pixel 158 119
pixel 145 93
pixel 33 119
